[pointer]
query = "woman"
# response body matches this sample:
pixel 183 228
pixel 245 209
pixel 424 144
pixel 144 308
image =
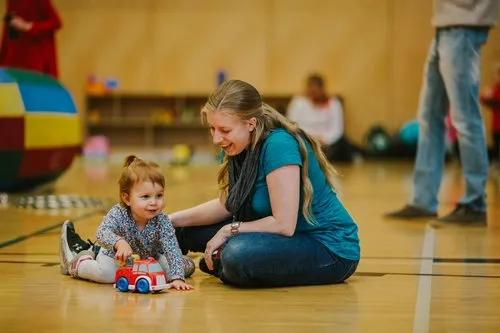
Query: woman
pixel 278 221
pixel 28 37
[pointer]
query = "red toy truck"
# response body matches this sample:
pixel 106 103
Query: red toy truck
pixel 144 275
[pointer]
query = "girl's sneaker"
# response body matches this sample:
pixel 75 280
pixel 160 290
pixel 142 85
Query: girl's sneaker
pixel 70 245
pixel 77 260
pixel 189 267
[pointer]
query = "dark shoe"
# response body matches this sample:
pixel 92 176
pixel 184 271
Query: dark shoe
pixel 204 268
pixel 217 265
pixel 75 242
pixel 94 247
pixel 466 214
pixel 411 212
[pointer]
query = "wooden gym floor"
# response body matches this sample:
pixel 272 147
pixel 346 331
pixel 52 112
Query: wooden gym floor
pixel 413 276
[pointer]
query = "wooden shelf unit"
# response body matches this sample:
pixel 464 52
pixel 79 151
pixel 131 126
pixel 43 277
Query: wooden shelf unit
pixel 138 119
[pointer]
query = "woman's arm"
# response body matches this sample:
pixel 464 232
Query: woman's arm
pixel 284 189
pixel 207 213
pixel 51 21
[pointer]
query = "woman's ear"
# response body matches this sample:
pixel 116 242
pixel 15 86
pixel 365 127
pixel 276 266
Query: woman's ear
pixel 125 198
pixel 252 122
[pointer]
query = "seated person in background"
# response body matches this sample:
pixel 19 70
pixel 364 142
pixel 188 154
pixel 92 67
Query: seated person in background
pixel 322 117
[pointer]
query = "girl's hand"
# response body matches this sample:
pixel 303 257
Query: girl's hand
pixel 180 285
pixel 215 243
pixel 123 250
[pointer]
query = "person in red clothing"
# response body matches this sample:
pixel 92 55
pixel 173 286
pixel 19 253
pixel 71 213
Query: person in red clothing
pixel 28 37
pixel 491 98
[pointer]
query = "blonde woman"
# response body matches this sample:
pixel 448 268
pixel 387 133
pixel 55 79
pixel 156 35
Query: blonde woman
pixel 278 220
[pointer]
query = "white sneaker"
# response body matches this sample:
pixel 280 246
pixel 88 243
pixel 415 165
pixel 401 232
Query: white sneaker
pixel 65 253
pixel 70 245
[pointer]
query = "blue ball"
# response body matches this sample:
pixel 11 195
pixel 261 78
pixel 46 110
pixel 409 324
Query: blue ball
pixel 408 134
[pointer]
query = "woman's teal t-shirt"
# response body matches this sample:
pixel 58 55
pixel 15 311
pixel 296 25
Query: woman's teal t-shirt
pixel 333 225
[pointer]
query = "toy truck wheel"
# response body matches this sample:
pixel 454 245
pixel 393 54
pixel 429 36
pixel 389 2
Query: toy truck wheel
pixel 142 286
pixel 122 284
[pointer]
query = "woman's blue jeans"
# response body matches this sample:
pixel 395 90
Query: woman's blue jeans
pixel 269 260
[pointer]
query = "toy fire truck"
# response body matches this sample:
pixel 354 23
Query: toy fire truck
pixel 143 275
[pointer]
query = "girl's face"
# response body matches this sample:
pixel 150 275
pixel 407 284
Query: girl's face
pixel 145 201
pixel 229 132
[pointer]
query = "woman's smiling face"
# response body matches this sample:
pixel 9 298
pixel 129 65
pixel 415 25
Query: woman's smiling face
pixel 230 132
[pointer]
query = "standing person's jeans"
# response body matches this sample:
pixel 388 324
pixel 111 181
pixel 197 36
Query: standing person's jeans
pixel 269 260
pixel 451 80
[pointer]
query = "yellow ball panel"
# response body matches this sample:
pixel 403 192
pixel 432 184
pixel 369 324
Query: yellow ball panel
pixel 11 104
pixel 51 130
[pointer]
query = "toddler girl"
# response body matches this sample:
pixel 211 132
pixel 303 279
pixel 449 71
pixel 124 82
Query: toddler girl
pixel 137 225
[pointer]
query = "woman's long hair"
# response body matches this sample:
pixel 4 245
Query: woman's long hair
pixel 240 99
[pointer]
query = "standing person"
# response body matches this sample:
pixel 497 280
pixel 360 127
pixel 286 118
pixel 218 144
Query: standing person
pixel 28 37
pixel 451 81
pixel 278 220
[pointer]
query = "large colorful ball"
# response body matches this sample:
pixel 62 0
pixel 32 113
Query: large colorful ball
pixel 40 131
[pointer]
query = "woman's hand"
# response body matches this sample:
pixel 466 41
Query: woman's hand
pixel 20 24
pixel 180 285
pixel 215 243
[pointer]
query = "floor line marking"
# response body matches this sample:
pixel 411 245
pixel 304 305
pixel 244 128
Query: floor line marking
pixel 422 308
